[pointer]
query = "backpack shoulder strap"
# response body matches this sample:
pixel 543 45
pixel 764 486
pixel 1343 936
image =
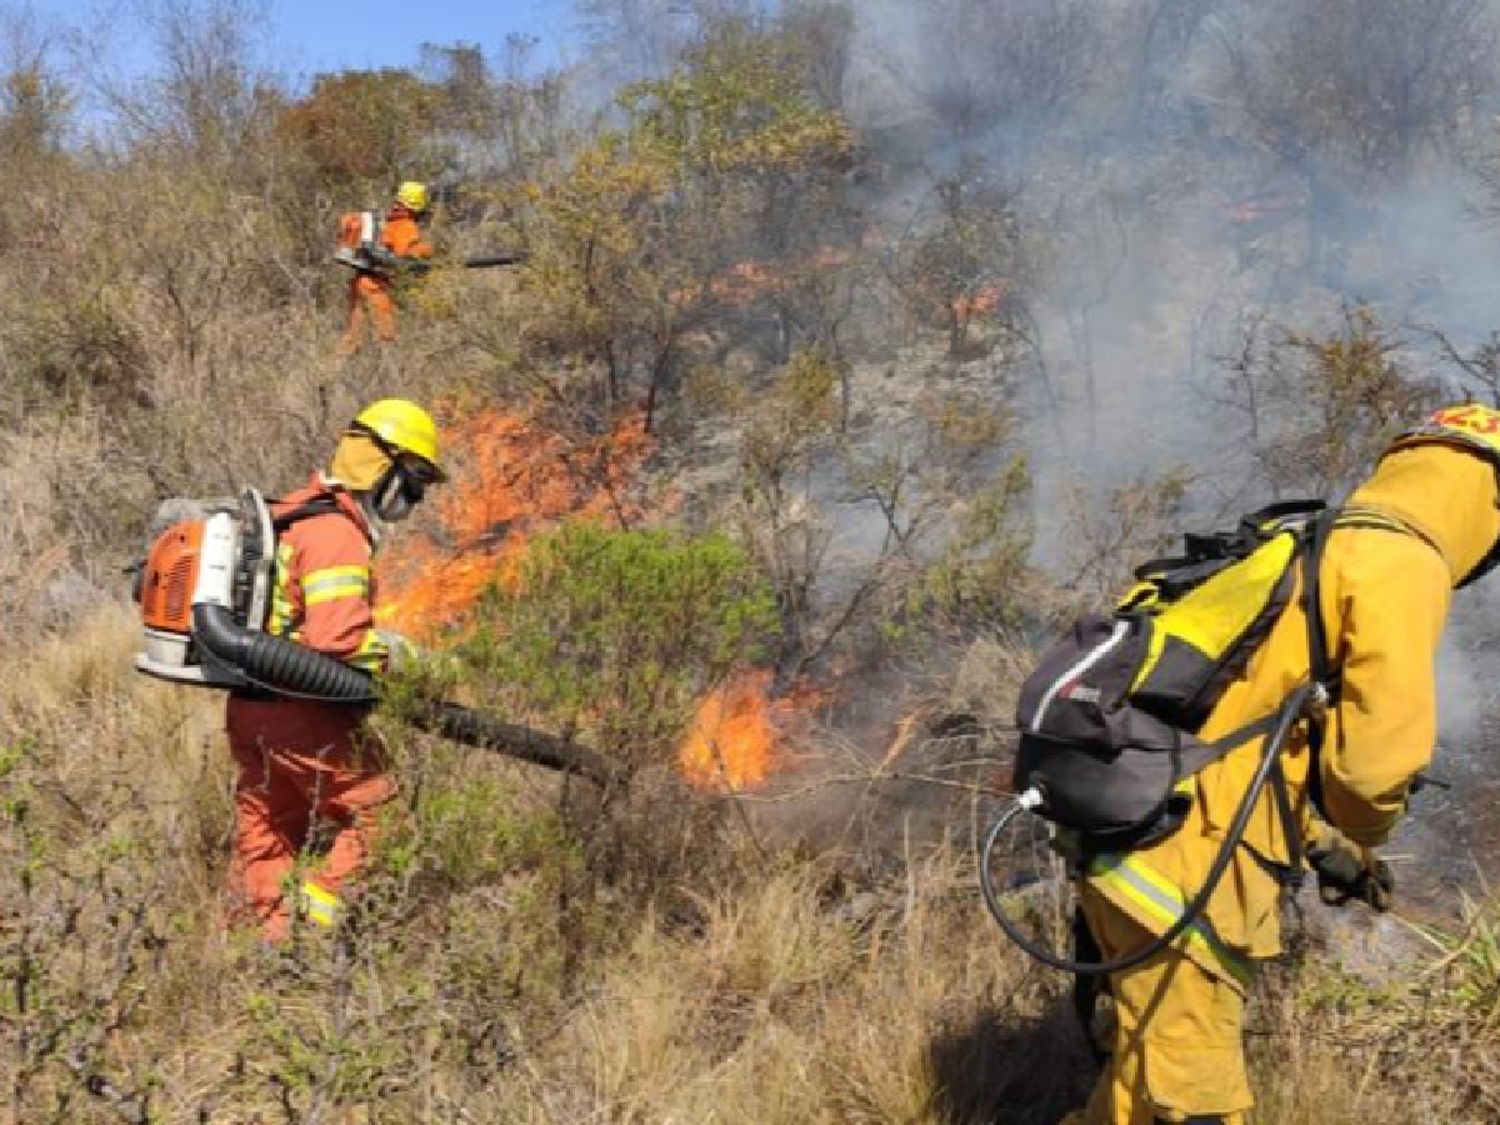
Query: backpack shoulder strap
pixel 1255 523
pixel 1320 667
pixel 1322 674
pixel 321 506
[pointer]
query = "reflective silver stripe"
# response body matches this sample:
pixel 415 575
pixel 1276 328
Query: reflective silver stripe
pixel 1094 655
pixel 1164 903
pixel 335 582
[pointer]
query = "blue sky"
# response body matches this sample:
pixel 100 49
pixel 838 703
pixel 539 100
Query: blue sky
pixel 337 34
pixel 309 36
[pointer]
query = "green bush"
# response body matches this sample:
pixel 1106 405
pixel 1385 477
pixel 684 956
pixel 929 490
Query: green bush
pixel 617 634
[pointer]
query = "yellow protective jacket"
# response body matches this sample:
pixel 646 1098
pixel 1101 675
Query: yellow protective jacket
pixel 1425 518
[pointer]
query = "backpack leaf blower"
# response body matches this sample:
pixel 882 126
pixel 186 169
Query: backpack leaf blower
pixel 205 593
pixel 204 589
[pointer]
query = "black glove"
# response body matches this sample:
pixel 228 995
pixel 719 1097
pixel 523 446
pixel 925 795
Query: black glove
pixel 1344 875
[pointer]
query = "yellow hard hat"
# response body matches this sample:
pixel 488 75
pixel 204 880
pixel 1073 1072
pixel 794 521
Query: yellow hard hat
pixel 1471 427
pixel 1468 426
pixel 412 195
pixel 405 427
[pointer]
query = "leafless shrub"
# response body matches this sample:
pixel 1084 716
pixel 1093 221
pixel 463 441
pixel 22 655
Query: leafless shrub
pixel 1319 408
pixel 1111 536
pixel 1351 96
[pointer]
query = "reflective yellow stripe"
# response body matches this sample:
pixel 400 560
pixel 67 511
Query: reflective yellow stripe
pixel 280 622
pixel 1129 877
pixel 371 654
pixel 336 582
pixel 319 906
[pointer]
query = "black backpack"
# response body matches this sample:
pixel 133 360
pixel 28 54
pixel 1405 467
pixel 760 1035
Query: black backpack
pixel 1109 717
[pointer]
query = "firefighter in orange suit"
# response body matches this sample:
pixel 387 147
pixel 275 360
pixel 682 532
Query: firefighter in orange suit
pixel 371 289
pixel 307 773
pixel 1423 524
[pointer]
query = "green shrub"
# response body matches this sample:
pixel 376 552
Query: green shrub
pixel 617 634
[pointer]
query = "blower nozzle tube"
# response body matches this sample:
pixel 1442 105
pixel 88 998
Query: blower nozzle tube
pixel 277 664
pixel 462 724
pixel 298 672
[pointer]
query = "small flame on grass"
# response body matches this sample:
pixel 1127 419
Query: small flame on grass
pixel 731 745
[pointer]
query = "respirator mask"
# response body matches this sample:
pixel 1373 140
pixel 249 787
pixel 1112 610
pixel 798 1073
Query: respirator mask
pixel 399 491
pixel 400 488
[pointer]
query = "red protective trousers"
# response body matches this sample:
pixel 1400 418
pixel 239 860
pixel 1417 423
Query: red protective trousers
pixel 370 295
pixel 369 298
pixel 308 781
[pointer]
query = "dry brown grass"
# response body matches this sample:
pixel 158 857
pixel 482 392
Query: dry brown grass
pixel 167 327
pixel 773 996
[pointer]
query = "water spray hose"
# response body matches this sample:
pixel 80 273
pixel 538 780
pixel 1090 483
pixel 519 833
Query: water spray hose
pixel 1033 798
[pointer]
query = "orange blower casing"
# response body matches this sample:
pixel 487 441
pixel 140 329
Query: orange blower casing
pixel 168 578
pixel 173 574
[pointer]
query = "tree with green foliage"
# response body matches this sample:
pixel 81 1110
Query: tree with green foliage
pixel 616 637
pixel 366 128
pixel 654 233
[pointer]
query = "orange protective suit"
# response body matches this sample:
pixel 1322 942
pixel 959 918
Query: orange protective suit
pixel 371 295
pixel 1429 517
pixel 309 776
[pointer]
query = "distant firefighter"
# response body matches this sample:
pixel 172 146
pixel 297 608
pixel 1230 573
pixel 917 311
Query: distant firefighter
pixel 376 249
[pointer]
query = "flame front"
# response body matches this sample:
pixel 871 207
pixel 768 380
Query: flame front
pixel 746 282
pixel 731 745
pixel 516 478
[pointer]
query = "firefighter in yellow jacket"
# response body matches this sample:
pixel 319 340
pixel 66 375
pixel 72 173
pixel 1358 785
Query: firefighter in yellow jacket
pixel 1426 522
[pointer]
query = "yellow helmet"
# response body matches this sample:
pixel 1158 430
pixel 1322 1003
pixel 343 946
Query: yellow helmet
pixel 405 427
pixel 1469 426
pixel 413 196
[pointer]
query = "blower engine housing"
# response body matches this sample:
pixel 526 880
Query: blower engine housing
pixel 218 554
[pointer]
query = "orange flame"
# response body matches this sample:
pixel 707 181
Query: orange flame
pixel 735 741
pixel 731 745
pixel 981 303
pixel 514 478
